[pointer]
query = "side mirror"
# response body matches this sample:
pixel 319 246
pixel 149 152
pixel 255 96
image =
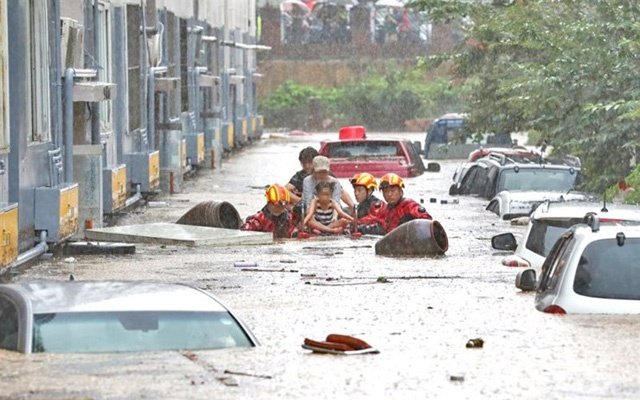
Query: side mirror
pixel 504 241
pixel 433 167
pixel 526 280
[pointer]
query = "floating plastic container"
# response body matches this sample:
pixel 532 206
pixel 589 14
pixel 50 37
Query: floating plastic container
pixel 352 132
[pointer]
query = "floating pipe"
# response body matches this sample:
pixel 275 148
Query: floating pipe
pixel 420 237
pixel 212 213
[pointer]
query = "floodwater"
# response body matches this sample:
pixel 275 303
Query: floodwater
pixel 420 320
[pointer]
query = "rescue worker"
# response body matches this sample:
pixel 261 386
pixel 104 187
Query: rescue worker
pixel 369 209
pixel 399 209
pixel 274 216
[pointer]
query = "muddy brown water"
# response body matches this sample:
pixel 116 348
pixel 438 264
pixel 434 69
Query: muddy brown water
pixel 420 319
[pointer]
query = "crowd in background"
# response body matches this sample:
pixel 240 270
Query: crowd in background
pixel 334 21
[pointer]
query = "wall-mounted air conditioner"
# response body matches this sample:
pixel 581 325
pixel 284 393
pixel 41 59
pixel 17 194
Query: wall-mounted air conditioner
pixel 72 43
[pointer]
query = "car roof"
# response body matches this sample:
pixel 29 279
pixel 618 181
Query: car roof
pixel 326 142
pixel 76 296
pixel 606 231
pixel 578 209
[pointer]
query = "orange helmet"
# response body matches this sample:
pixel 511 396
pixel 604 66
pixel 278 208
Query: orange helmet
pixel 364 179
pixel 391 180
pixel 277 194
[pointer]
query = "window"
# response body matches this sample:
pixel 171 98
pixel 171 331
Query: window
pixel 104 65
pixel 39 68
pixel 561 180
pixel 364 149
pixel 544 233
pixel 8 324
pixel 136 331
pixel 556 262
pixel 608 270
pixel 4 68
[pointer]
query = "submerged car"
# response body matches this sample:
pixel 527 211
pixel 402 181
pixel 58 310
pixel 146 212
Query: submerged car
pixel 592 268
pixel 549 221
pixel 354 153
pixel 446 139
pixel 96 317
pixel 495 173
pixel 510 204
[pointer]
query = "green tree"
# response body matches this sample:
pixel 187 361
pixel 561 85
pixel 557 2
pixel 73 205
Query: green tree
pixel 567 69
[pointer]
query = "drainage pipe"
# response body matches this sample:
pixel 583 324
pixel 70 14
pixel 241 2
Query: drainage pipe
pixel 135 198
pixel 151 105
pixel 69 75
pixel 30 254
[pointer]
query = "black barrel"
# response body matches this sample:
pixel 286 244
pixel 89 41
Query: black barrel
pixel 214 214
pixel 420 237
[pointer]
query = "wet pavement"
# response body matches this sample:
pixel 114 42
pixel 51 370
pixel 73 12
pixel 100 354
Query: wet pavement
pixel 420 317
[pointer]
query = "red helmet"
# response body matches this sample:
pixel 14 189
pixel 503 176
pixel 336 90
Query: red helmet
pixel 391 180
pixel 277 194
pixel 364 179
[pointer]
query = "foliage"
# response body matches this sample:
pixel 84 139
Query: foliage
pixel 565 68
pixel 381 102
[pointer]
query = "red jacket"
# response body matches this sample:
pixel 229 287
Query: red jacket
pixel 403 211
pixel 264 221
pixel 371 211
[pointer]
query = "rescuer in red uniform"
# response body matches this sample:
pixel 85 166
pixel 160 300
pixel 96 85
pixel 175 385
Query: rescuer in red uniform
pixel 399 209
pixel 274 216
pixel 370 209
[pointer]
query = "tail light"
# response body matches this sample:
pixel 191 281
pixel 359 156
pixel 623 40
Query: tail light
pixel 554 309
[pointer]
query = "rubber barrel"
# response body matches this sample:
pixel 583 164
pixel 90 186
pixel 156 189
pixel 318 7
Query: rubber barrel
pixel 420 237
pixel 213 214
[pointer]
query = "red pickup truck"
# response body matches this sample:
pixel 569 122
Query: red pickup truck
pixel 356 154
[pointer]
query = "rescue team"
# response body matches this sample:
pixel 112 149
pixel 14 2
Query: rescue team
pixel 310 203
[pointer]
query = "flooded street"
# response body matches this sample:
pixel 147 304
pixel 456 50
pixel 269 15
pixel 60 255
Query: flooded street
pixel 419 319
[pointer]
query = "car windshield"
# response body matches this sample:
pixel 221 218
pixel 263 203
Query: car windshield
pixel 96 332
pixel 608 270
pixel 544 234
pixel 363 149
pixel 537 179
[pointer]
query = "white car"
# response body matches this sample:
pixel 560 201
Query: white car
pixel 549 221
pixel 95 317
pixel 591 269
pixel 510 204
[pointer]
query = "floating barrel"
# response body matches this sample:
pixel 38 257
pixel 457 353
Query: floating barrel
pixel 214 214
pixel 420 237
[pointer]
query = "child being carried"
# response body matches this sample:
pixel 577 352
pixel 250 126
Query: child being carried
pixel 325 214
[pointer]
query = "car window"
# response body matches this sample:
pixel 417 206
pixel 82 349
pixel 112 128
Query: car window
pixel 544 233
pixel 607 270
pixel 414 155
pixel 8 324
pixel 490 184
pixel 95 332
pixel 363 149
pixel 556 262
pixel 468 180
pixel 533 179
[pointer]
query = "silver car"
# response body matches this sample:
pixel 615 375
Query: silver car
pixel 111 316
pixel 591 269
pixel 549 221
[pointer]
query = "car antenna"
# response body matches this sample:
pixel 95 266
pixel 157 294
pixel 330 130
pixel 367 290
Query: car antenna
pixel 604 205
